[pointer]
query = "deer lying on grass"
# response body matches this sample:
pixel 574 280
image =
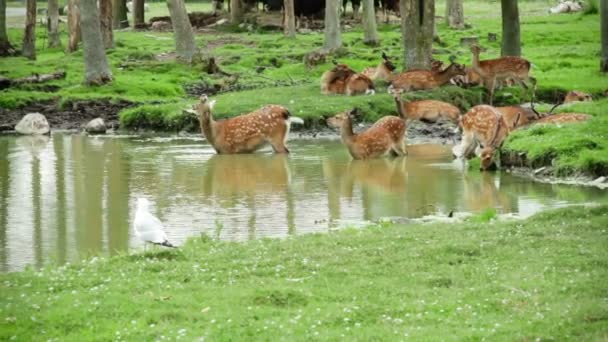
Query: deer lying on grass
pixel 426 79
pixel 574 96
pixel 387 135
pixel 486 125
pixel 343 80
pixel 564 118
pixel 472 78
pixel 424 110
pixel 494 71
pixel 383 72
pixel 246 133
pixel 517 116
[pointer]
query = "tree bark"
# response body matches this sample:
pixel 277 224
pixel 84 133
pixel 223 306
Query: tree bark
pixel 418 26
pixel 105 21
pixel 333 38
pixel 511 45
pixel 139 21
pixel 120 14
pixel 289 19
pixel 52 23
pixel 97 71
pixel 6 49
pixel 73 24
pixel 185 46
pixel 236 11
pixel 604 30
pixel 29 38
pixel 454 14
pixel 370 32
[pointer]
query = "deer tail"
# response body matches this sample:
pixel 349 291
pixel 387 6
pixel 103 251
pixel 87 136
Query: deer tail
pixel 296 120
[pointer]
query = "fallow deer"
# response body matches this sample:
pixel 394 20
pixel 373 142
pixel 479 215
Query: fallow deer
pixel 564 118
pixel 426 79
pixel 518 116
pixel 575 96
pixel 424 110
pixel 246 133
pixel 486 125
pixel 383 72
pixel 385 136
pixel 501 69
pixel 472 78
pixel 343 80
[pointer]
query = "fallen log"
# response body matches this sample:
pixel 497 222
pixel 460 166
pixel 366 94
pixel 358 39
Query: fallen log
pixel 35 78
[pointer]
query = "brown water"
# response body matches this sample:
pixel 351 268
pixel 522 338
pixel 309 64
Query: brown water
pixel 69 196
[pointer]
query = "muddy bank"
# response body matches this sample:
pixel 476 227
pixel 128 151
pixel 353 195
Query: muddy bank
pixel 74 115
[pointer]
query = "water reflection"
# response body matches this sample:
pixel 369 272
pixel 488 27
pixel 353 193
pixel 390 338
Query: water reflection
pixel 72 195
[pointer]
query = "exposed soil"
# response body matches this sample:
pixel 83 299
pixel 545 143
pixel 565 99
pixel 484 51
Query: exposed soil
pixel 75 116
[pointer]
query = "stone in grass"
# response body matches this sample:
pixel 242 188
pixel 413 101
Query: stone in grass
pixel 33 123
pixel 96 126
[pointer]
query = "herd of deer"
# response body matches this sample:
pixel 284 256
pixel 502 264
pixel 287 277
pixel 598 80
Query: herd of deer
pixel 483 124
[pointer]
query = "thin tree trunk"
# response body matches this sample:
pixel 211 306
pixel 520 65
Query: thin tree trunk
pixel 510 28
pixel 97 71
pixel 604 30
pixel 454 14
pixel 289 19
pixel 236 11
pixel 6 49
pixel 105 21
pixel 29 38
pixel 333 38
pixel 52 20
pixel 370 32
pixel 73 24
pixel 418 26
pixel 185 47
pixel 120 14
pixel 139 21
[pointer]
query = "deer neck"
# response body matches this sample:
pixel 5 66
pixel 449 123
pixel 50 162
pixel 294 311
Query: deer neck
pixel 444 76
pixel 208 125
pixel 346 131
pixel 475 63
pixel 401 109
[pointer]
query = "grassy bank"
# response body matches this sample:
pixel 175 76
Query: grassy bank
pixel 543 278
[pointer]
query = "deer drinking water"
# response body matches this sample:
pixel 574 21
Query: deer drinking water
pixel 246 133
pixel 494 71
pixel 387 135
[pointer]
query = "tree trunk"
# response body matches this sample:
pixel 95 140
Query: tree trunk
pixel 73 24
pixel 52 23
pixel 120 14
pixel 139 21
pixel 510 28
pixel 105 22
pixel 97 71
pixel 236 11
pixel 29 38
pixel 333 38
pixel 454 14
pixel 370 33
pixel 417 25
pixel 604 30
pixel 289 19
pixel 185 47
pixel 6 49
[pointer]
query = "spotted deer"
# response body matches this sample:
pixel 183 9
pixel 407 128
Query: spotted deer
pixel 426 79
pixel 343 80
pixel 472 78
pixel 518 116
pixel 486 125
pixel 576 96
pixel 564 118
pixel 383 72
pixel 424 110
pixel 494 71
pixel 246 133
pixel 387 135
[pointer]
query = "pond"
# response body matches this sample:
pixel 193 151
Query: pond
pixel 68 196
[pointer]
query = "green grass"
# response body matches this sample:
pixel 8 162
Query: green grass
pixel 539 279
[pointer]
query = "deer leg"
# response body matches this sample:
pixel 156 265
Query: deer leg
pixel 468 138
pixel 277 141
pixel 492 85
pixel 399 148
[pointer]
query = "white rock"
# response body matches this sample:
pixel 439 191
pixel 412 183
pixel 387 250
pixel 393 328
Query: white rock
pixel 96 126
pixel 33 123
pixel 601 179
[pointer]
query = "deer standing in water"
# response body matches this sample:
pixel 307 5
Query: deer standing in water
pixel 426 79
pixel 387 135
pixel 424 110
pixel 486 125
pixel 246 133
pixel 344 80
pixel 494 71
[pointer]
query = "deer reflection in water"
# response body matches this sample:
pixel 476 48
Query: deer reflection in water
pixel 483 190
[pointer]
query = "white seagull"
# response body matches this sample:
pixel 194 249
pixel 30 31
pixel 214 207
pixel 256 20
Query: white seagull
pixel 147 227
